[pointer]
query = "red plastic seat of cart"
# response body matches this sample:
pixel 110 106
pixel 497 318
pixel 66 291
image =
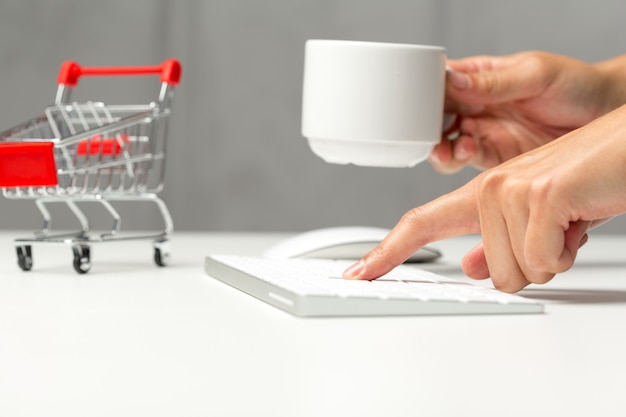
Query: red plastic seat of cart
pixel 101 146
pixel 29 164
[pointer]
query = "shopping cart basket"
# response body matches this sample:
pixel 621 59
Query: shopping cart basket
pixel 91 152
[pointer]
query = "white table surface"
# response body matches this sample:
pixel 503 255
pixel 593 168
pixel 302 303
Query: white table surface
pixel 132 339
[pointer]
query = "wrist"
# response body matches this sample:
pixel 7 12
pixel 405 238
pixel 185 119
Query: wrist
pixel 613 73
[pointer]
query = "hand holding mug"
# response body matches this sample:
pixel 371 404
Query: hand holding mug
pixel 509 105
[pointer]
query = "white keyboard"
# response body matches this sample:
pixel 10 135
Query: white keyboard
pixel 314 287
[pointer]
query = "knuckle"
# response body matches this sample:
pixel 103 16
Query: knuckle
pixel 509 285
pixel 548 265
pixel 414 217
pixel 535 60
pixel 490 183
pixel 540 278
pixel 492 83
pixel 543 189
pixel 532 61
pixel 539 193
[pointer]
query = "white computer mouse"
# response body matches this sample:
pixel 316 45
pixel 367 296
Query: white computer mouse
pixel 351 242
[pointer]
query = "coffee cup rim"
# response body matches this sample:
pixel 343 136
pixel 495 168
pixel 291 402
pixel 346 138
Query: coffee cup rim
pixel 340 42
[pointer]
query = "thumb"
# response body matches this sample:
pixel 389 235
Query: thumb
pixel 490 87
pixel 474 263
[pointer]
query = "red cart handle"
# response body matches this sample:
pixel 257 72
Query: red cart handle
pixel 71 71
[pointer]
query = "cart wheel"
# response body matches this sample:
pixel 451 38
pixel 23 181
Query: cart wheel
pixel 82 258
pixel 161 252
pixel 25 257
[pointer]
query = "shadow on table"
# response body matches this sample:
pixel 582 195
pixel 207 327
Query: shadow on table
pixel 609 263
pixel 554 295
pixel 575 296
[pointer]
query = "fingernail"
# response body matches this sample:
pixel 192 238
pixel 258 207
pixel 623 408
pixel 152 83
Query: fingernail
pixel 459 80
pixel 353 271
pixel 584 238
pixel 461 152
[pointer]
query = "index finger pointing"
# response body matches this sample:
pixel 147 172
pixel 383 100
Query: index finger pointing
pixel 453 214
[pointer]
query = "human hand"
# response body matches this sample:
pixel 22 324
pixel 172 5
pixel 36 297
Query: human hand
pixel 509 105
pixel 533 211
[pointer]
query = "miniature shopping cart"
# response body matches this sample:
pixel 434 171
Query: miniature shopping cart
pixel 91 152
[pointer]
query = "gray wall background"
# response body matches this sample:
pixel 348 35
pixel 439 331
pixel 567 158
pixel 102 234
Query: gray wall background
pixel 236 159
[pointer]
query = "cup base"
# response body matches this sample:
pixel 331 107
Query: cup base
pixel 371 153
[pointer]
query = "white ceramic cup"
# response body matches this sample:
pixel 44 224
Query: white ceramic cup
pixel 373 104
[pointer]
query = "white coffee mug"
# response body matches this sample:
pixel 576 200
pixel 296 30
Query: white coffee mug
pixel 371 103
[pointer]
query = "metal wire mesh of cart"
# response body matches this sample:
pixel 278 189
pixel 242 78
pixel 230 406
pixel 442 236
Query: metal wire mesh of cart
pixel 97 149
pixel 91 152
